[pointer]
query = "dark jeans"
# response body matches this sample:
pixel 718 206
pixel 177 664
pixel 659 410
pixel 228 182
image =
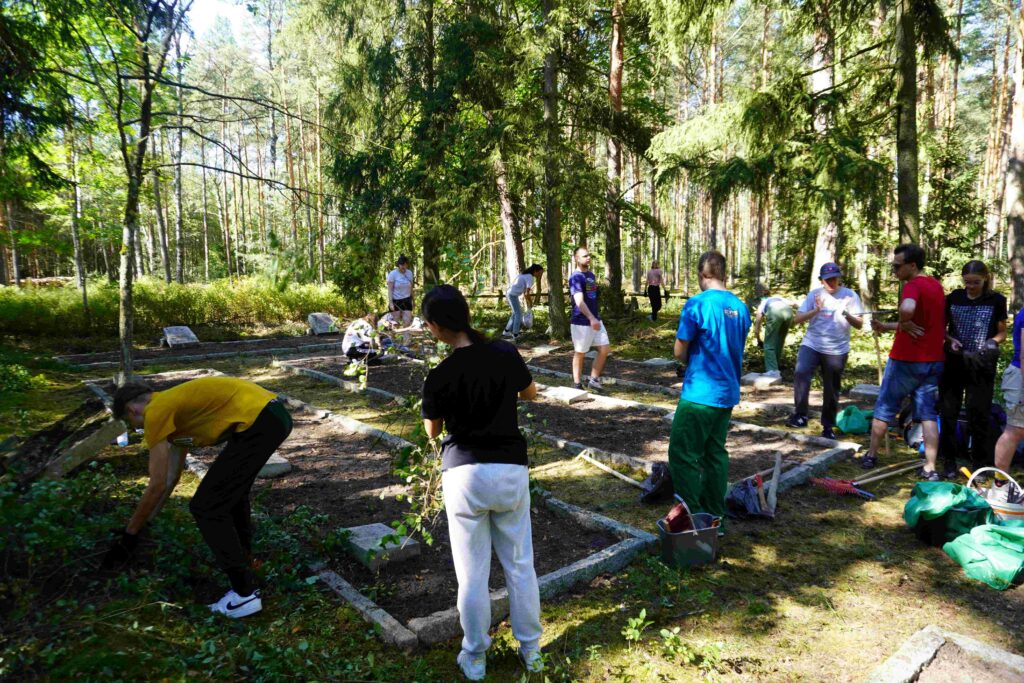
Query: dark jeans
pixel 220 505
pixel 654 295
pixel 956 382
pixel 832 366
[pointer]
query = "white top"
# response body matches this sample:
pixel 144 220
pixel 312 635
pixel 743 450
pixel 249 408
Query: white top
pixel 829 332
pixel 402 283
pixel 359 333
pixel 522 283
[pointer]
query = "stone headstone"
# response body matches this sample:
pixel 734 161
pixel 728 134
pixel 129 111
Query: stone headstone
pixel 566 394
pixel 277 466
pixel 544 348
pixel 591 354
pixel 759 381
pixel 364 543
pixel 322 323
pixel 865 392
pixel 179 336
pixel 659 362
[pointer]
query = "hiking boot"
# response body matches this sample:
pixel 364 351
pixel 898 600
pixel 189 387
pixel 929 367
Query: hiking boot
pixel 578 385
pixel 828 433
pixel 868 461
pixel 235 606
pixel 928 476
pixel 796 421
pixel 594 384
pixel 474 667
pixel 950 474
pixel 531 659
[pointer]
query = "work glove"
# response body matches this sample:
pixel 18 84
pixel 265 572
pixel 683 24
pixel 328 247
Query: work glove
pixel 984 359
pixel 121 550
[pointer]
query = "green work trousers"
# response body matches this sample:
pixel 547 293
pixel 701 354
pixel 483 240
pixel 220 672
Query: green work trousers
pixel 777 322
pixel 697 457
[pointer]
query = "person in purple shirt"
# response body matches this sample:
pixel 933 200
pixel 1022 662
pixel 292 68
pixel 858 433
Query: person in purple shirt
pixel 585 322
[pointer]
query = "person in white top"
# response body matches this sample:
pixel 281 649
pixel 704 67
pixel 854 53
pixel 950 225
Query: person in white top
pixel 521 287
pixel 832 310
pixel 359 340
pixel 400 289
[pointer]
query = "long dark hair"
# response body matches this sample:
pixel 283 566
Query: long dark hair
pixel 534 268
pixel 977 267
pixel 445 306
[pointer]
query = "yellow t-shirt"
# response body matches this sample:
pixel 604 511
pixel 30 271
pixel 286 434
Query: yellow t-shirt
pixel 205 409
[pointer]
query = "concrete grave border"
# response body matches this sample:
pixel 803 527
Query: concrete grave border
pixel 142 362
pixel 920 649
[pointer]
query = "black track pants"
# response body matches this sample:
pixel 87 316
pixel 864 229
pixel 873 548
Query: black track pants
pixel 220 505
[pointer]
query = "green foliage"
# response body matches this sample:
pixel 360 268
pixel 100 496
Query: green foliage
pixel 16 378
pixel 419 466
pixel 57 311
pixel 635 627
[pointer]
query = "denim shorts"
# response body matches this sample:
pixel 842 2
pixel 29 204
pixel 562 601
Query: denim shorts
pixel 906 378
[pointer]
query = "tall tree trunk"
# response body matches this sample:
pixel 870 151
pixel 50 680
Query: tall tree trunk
pixel 955 78
pixel 430 269
pixel 515 261
pixel 319 189
pixel 613 214
pixel 822 80
pixel 179 231
pixel 75 209
pixel 1013 197
pixel 908 204
pixel 552 211
pixel 206 220
pixel 162 226
pixel 12 235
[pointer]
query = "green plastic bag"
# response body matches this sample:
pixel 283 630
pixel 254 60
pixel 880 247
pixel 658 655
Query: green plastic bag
pixel 940 511
pixel 991 553
pixel 853 420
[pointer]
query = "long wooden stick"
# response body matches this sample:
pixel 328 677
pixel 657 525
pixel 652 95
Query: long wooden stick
pixel 609 470
pixel 886 475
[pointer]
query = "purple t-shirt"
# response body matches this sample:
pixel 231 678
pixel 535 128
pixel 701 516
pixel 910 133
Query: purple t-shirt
pixel 587 284
pixel 1018 323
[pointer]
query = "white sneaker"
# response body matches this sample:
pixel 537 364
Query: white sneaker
pixel 531 659
pixel 474 667
pixel 235 606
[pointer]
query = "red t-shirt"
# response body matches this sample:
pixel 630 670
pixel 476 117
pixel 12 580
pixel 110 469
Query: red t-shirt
pixel 930 314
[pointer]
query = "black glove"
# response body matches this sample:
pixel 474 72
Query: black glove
pixel 121 550
pixel 984 359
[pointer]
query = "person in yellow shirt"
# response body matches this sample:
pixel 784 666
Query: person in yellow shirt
pixel 251 421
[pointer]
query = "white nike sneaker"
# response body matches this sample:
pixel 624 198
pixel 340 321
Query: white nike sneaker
pixel 235 606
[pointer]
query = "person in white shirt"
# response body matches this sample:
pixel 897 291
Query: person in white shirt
pixel 832 310
pixel 521 287
pixel 359 340
pixel 400 289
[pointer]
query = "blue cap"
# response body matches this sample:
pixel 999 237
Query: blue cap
pixel 829 270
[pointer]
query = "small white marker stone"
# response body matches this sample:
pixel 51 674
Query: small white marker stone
pixel 544 348
pixel 277 466
pixel 659 362
pixel 566 394
pixel 322 323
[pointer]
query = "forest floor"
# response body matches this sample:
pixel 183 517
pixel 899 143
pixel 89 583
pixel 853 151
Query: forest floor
pixel 825 592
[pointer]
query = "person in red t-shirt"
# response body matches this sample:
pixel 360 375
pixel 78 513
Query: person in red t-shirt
pixel 917 356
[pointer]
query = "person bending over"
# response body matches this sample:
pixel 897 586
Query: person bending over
pixel 485 480
pixel 251 422
pixel 521 288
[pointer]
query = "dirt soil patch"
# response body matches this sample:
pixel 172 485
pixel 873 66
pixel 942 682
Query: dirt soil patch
pixel 346 476
pixel 644 435
pixel 160 353
pixel 401 377
pixel 952 664
pixel 660 375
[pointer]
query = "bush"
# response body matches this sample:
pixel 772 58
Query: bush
pixel 36 312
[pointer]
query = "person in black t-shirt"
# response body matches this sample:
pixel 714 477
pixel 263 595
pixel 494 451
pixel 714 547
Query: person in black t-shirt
pixel 473 393
pixel 975 326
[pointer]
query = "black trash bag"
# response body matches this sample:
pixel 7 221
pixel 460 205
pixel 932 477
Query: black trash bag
pixel 658 485
pixel 742 503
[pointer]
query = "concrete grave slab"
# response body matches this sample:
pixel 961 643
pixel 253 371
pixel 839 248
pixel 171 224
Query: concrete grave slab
pixel 179 336
pixel 322 323
pixel 544 349
pixel 276 466
pixel 759 381
pixel 566 394
pixel 659 362
pixel 865 392
pixel 591 354
pixel 364 544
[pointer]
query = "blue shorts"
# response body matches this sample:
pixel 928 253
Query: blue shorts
pixel 905 378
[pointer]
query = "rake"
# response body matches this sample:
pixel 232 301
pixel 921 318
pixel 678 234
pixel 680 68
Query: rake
pixel 847 487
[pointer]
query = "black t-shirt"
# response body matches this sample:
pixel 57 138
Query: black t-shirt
pixel 475 391
pixel 973 321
